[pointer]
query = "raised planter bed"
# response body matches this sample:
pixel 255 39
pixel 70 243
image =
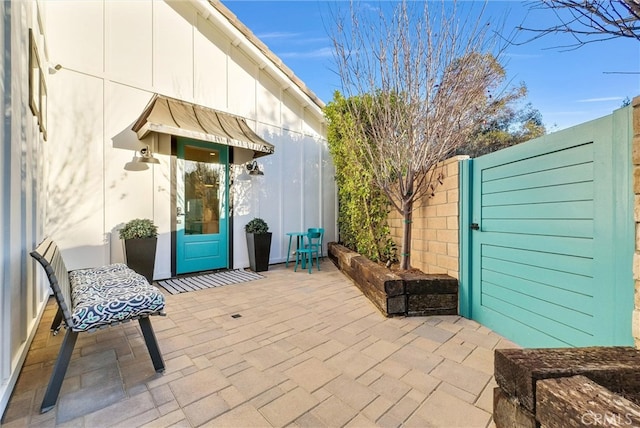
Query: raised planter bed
pixel 397 293
pixel 567 387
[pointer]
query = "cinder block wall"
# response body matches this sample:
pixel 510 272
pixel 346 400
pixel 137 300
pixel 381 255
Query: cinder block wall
pixel 636 213
pixel 434 243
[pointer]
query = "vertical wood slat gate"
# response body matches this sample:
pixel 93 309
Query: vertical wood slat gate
pixel 547 237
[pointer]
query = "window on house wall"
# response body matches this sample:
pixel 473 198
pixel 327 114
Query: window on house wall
pixel 35 73
pixel 43 106
pixel 37 84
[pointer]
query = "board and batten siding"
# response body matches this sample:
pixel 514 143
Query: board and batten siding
pixel 114 57
pixel 23 289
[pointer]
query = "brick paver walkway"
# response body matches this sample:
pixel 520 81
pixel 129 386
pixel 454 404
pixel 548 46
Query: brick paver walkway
pixel 307 351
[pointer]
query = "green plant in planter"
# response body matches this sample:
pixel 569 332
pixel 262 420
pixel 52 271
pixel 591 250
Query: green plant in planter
pixel 258 244
pixel 257 226
pixel 140 237
pixel 139 228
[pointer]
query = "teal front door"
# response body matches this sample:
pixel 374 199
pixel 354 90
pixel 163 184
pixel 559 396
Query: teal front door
pixel 202 206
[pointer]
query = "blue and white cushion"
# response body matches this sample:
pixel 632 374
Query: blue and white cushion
pixel 110 294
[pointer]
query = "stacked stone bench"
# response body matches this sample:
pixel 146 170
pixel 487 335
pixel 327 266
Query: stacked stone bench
pixel 92 299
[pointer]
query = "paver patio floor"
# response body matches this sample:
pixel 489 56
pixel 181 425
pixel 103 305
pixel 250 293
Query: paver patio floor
pixel 307 351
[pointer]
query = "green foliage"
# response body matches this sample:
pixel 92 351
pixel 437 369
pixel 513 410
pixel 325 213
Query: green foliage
pixel 139 228
pixel 390 251
pixel 507 127
pixel 362 207
pixel 257 226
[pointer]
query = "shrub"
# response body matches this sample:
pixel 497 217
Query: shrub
pixel 362 208
pixel 257 226
pixel 139 228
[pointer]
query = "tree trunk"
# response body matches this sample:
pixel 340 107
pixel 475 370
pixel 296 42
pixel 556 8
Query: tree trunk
pixel 405 255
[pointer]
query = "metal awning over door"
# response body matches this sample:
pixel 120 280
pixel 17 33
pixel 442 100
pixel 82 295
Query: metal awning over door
pixel 171 116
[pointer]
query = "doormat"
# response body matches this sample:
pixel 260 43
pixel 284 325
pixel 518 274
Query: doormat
pixel 208 280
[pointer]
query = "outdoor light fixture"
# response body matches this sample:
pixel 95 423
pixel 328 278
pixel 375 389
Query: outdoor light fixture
pixel 147 156
pixel 244 176
pixel 254 169
pixel 135 164
pixel 249 170
pixel 140 163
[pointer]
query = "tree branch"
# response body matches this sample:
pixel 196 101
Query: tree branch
pixel 588 21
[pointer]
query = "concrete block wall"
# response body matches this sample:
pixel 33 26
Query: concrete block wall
pixel 434 243
pixel 636 214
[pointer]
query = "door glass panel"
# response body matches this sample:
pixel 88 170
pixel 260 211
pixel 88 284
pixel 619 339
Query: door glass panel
pixel 203 191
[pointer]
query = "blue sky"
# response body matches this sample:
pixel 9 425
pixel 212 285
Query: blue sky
pixel 567 87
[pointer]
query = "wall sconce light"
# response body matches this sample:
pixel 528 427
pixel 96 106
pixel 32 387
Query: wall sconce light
pixel 146 156
pixel 254 169
pixel 244 176
pixel 140 163
pixel 249 170
pixel 135 164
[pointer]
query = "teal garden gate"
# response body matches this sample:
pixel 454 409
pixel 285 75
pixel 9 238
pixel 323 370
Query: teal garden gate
pixel 547 237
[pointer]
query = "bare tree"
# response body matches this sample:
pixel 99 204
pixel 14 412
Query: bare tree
pixel 589 21
pixel 425 78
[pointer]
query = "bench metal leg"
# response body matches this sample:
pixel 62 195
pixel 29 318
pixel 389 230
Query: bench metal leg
pixel 59 370
pixel 152 344
pixel 57 322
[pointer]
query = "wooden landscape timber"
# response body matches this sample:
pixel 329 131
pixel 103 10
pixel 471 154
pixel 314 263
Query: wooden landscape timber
pixel 408 293
pixel 565 387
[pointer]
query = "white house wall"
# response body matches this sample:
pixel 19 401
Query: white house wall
pixel 241 98
pixel 210 66
pixel 128 58
pixel 115 55
pixel 173 51
pixel 23 290
pixel 268 105
pixel 127 194
pixel 75 193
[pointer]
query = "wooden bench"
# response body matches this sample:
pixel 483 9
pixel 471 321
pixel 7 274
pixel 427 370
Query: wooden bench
pixel 91 299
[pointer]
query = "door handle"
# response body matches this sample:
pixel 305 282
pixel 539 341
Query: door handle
pixel 474 226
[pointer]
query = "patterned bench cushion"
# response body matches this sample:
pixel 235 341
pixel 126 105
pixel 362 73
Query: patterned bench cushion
pixel 111 294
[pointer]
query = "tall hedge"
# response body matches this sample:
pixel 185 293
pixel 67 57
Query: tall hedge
pixel 363 208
